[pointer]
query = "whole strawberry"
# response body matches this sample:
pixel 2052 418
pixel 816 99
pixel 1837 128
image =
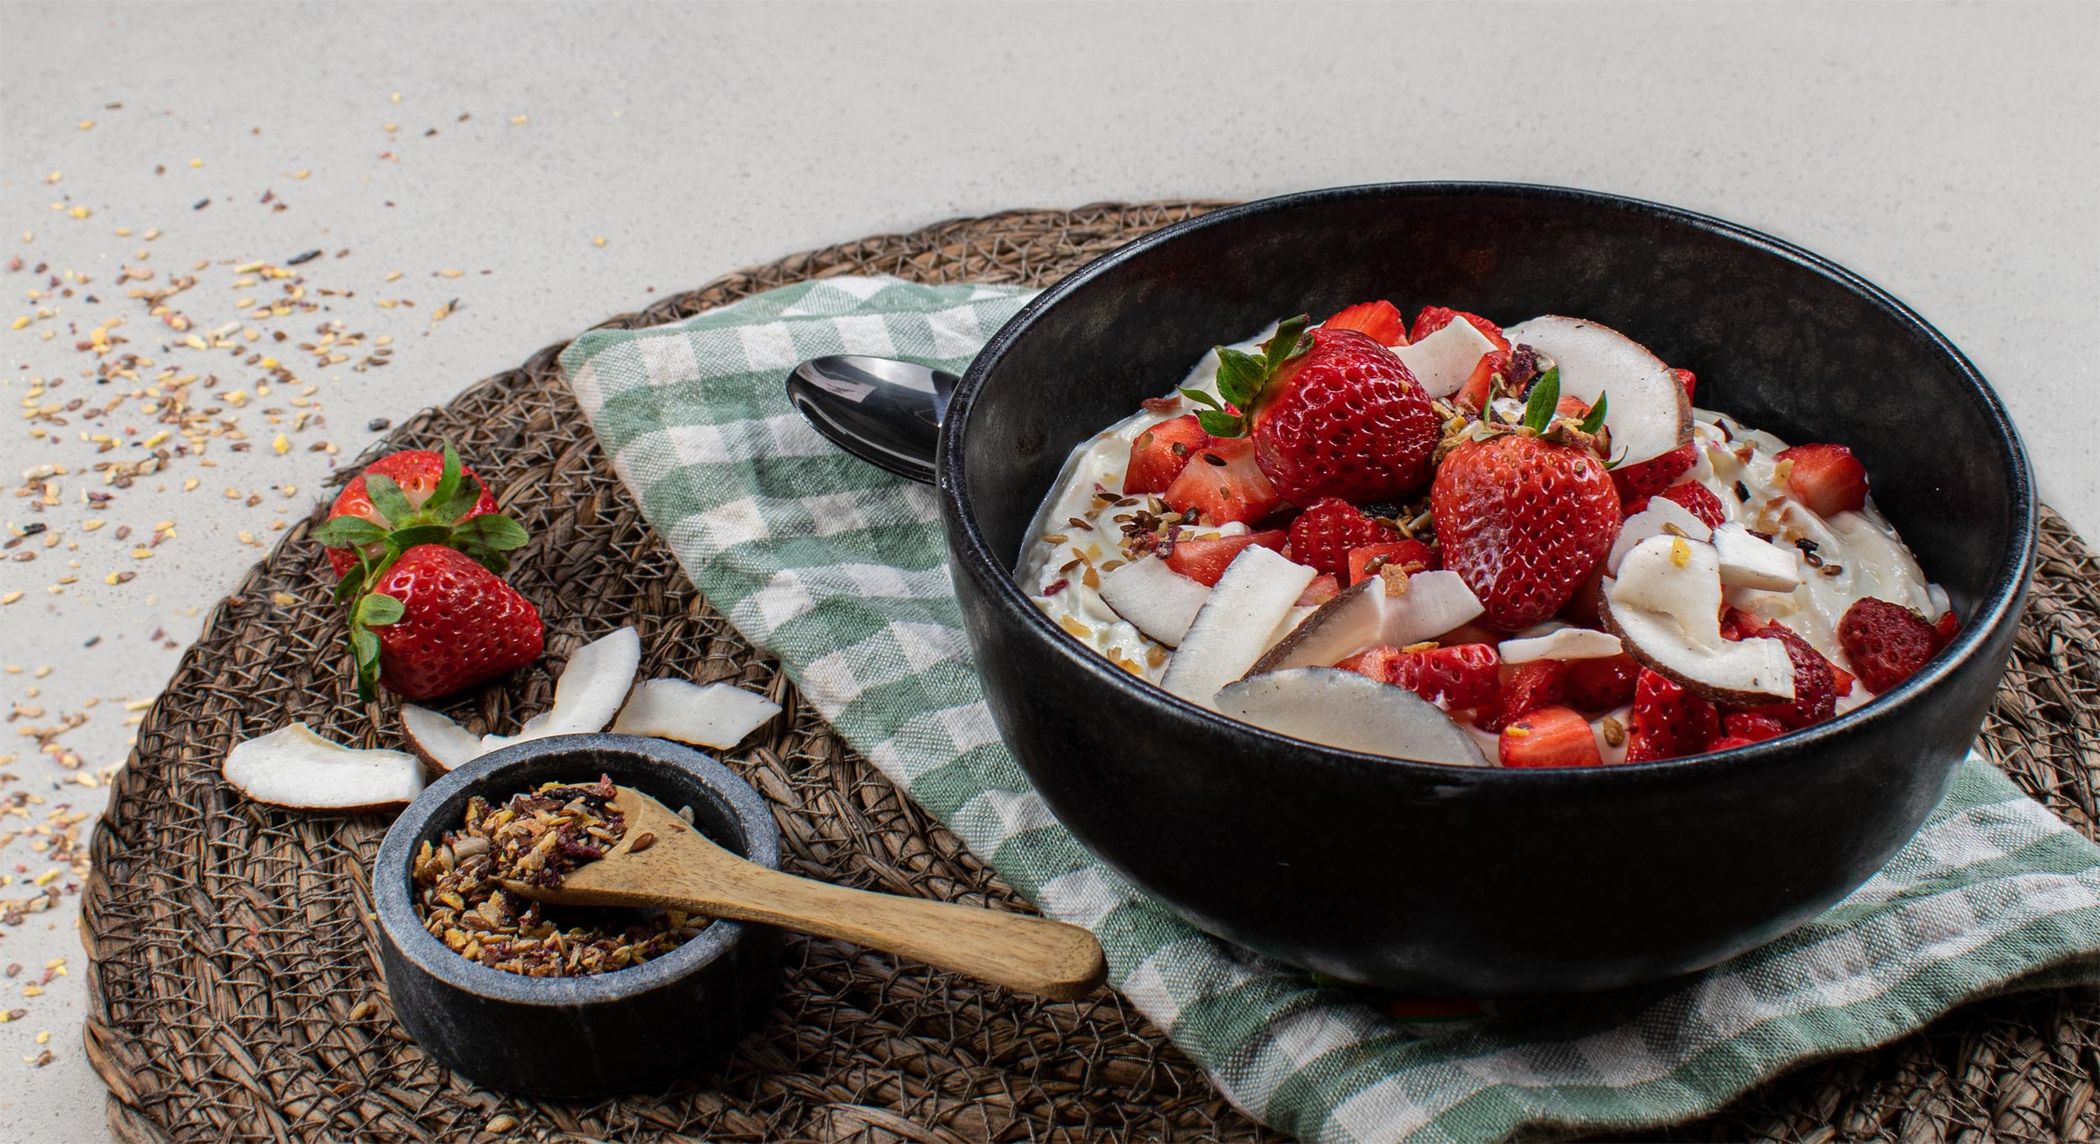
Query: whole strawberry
pixel 1331 413
pixel 433 621
pixel 416 497
pixel 1524 516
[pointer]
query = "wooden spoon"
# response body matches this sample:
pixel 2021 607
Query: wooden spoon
pixel 662 861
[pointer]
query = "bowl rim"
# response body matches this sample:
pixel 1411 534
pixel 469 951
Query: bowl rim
pixel 2000 605
pixel 394 903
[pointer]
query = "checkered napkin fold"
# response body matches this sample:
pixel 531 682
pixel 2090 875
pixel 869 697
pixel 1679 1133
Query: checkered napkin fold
pixel 837 568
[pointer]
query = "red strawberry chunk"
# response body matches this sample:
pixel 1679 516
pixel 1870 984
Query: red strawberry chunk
pixel 1345 419
pixel 1430 319
pixel 1473 395
pixel 1751 727
pixel 1699 500
pixel 1549 737
pixel 1204 561
pixel 1223 483
pixel 1815 688
pixel 1841 681
pixel 1728 743
pixel 1668 721
pixel 1323 535
pixel 1686 379
pixel 1380 321
pixel 1159 454
pixel 1654 474
pixel 1464 677
pixel 1525 687
pixel 1322 589
pixel 1826 478
pixel 1409 554
pixel 1601 684
pixel 1945 627
pixel 1887 643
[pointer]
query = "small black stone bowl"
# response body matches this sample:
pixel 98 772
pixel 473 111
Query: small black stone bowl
pixel 636 1028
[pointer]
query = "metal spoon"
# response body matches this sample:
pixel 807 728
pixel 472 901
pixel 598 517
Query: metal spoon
pixel 884 411
pixel 662 861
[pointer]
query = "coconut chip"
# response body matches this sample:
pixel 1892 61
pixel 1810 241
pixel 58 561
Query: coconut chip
pixel 716 715
pixel 294 768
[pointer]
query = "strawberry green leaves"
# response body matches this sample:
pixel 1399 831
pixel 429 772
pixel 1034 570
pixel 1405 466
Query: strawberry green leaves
pixel 370 611
pixel 1242 376
pixel 1595 420
pixel 445 517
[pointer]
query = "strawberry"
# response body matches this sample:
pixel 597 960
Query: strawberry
pixel 1697 498
pixel 1464 677
pixel 1473 395
pixel 1223 483
pixel 1430 319
pixel 1379 321
pixel 1159 454
pixel 1887 643
pixel 1728 743
pixel 1549 737
pixel 1654 474
pixel 1324 533
pixel 1523 518
pixel 1815 690
pixel 1945 627
pixel 1375 662
pixel 427 498
pixel 1321 590
pixel 1841 681
pixel 1345 419
pixel 1750 727
pixel 1601 684
pixel 432 621
pixel 1686 379
pixel 1204 561
pixel 1525 687
pixel 1826 478
pixel 1410 555
pixel 1668 721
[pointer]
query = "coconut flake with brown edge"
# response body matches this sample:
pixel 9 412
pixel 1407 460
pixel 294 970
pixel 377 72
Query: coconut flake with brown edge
pixel 1344 709
pixel 1389 608
pixel 437 740
pixel 1649 413
pixel 593 687
pixel 1668 618
pixel 718 715
pixel 296 769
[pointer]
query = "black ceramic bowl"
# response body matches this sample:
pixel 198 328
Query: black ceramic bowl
pixel 636 1028
pixel 1489 881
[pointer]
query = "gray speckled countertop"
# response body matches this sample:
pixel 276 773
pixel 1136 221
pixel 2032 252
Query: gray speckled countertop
pixel 1948 153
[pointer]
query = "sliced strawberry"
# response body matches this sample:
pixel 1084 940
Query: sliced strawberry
pixel 1322 589
pixel 1204 561
pixel 1826 478
pixel 1473 395
pixel 1887 643
pixel 1223 483
pixel 1737 624
pixel 1601 684
pixel 1574 407
pixel 1525 687
pixel 1409 554
pixel 1464 677
pixel 1549 737
pixel 1751 727
pixel 1841 681
pixel 1668 721
pixel 1945 627
pixel 1699 500
pixel 1688 381
pixel 1159 454
pixel 1728 743
pixel 1375 662
pixel 1654 474
pixel 1379 321
pixel 1815 690
pixel 1430 319
pixel 1323 535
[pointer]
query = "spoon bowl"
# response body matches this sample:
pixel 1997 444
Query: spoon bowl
pixel 884 411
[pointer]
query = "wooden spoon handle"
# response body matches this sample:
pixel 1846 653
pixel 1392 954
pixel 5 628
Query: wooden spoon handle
pixel 1035 955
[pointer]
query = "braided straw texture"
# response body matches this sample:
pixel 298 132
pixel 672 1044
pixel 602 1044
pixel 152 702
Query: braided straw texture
pixel 235 990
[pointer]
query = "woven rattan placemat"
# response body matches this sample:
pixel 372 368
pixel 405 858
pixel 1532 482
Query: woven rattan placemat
pixel 235 991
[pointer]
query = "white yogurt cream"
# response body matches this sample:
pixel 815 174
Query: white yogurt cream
pixel 1078 536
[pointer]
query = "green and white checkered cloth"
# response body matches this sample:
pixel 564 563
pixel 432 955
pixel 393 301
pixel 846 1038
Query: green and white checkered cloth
pixel 838 569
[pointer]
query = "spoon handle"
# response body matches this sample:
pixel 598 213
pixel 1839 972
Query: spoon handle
pixel 1035 955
